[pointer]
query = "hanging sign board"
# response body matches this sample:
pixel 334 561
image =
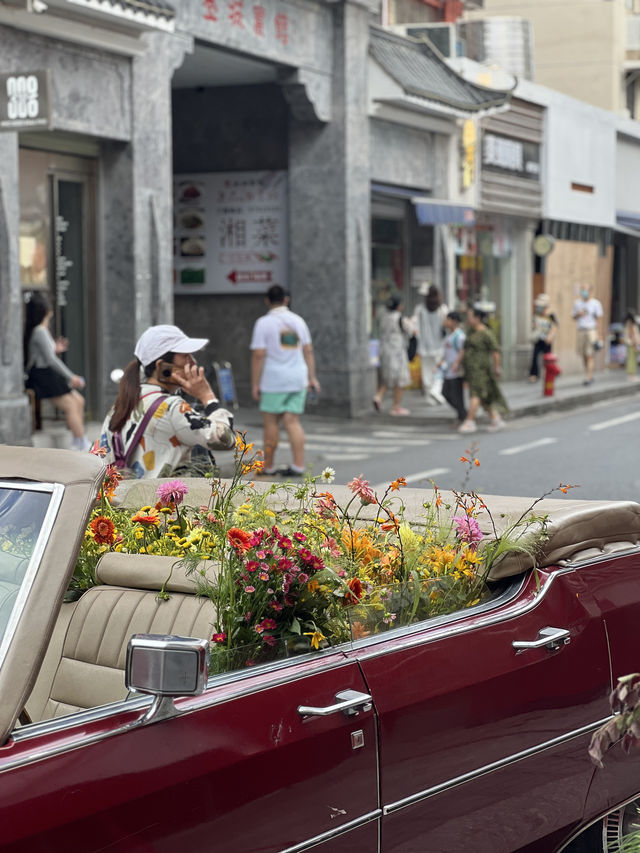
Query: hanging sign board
pixel 230 232
pixel 25 100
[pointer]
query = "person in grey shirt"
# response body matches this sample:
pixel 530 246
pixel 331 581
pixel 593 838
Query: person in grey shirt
pixel 47 375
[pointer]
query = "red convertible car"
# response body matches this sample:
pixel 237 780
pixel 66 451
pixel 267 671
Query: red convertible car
pixel 461 733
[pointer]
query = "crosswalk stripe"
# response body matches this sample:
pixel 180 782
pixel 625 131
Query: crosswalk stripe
pixel 419 475
pixel 615 422
pixel 520 448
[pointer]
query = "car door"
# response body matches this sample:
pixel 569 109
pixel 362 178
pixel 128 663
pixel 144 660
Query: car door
pixel 483 747
pixel 242 768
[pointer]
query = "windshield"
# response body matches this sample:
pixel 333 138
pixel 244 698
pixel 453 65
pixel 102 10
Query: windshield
pixel 22 515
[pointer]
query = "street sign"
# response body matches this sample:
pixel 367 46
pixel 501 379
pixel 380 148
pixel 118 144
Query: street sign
pixel 25 101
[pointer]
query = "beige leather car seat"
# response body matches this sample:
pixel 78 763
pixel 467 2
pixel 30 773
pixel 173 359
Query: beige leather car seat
pixel 90 667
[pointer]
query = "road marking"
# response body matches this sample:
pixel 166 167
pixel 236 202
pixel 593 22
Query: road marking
pixel 615 422
pixel 419 475
pixel 521 448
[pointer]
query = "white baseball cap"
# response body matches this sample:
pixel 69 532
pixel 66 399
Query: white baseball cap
pixel 158 340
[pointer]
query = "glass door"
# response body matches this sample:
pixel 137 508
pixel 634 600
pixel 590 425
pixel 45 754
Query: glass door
pixel 58 250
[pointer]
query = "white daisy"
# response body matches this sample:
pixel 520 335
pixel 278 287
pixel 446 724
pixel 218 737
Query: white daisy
pixel 328 475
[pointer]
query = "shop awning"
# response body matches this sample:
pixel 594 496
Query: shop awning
pixel 432 211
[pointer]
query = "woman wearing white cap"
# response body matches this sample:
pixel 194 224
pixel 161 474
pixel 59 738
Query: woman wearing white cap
pixel 151 430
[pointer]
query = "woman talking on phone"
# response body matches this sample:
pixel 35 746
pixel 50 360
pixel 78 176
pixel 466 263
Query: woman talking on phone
pixel 152 431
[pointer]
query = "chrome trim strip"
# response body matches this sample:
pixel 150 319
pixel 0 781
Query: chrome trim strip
pixel 490 768
pixel 333 833
pixel 60 748
pixel 56 491
pixel 81 718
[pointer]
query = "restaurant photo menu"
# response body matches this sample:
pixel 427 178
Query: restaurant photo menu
pixel 230 232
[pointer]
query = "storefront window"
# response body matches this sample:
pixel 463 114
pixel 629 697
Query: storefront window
pixel 483 255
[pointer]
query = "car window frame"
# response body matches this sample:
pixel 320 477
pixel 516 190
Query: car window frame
pixel 56 492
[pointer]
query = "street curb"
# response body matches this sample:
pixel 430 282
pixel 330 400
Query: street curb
pixel 540 407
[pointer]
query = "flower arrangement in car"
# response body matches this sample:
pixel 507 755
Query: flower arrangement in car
pixel 296 571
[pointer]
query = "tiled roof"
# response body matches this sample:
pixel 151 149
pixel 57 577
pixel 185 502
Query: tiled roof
pixel 421 72
pixel 152 7
pixel 150 12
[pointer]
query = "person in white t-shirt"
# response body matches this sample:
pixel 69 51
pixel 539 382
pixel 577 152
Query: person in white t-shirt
pixel 282 369
pixel 587 312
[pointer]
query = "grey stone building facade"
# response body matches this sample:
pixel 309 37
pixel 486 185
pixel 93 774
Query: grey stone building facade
pixel 223 93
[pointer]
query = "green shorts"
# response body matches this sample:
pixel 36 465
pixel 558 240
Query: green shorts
pixel 279 402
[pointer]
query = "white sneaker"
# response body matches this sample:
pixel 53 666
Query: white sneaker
pixel 496 425
pixel 437 396
pixel 468 426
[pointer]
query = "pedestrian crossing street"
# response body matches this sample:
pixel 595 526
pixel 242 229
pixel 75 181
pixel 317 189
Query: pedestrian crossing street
pixel 327 447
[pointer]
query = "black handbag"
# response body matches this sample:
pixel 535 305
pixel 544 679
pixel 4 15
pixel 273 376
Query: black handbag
pixel 412 344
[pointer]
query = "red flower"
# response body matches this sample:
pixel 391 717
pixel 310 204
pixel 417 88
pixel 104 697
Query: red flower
pixel 103 530
pixel 239 540
pixel 355 595
pixel 219 638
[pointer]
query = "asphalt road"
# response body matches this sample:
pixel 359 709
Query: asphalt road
pixel 596 447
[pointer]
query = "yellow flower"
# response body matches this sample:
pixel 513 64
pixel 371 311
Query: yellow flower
pixel 270 513
pixel 316 638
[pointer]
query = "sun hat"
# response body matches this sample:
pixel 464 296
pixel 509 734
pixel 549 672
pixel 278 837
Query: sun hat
pixel 158 340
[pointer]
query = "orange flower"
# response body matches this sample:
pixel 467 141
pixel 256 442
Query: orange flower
pixel 391 524
pixel 476 462
pixel 239 540
pixel 354 596
pixel 103 530
pixel 464 459
pixel 150 517
pixel 397 483
pixel 358 631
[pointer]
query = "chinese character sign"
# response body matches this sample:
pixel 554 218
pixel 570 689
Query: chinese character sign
pixel 230 232
pixel 24 101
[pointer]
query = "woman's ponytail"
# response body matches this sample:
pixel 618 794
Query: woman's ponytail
pixel 128 396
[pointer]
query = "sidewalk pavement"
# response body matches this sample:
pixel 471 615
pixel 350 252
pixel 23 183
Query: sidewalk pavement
pixel 523 398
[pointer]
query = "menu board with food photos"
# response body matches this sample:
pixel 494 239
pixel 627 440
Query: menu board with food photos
pixel 230 232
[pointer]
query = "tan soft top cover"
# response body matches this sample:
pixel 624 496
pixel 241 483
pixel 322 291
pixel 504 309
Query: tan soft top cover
pixel 81 475
pixel 576 528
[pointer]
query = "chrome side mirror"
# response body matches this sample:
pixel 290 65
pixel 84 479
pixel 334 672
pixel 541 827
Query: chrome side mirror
pixel 166 666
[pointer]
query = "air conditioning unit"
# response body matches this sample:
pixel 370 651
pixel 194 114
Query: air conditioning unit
pixel 444 37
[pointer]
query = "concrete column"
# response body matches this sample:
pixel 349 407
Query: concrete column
pixel 15 416
pixel 329 208
pixel 137 217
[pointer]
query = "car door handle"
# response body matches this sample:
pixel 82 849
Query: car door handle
pixel 552 638
pixel 350 702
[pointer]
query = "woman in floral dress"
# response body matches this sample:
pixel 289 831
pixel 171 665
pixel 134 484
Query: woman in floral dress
pixel 481 366
pixel 394 364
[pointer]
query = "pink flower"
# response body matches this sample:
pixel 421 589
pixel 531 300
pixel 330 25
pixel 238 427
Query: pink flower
pixel 302 578
pixel 332 546
pixel 467 529
pixel 300 537
pixel 360 487
pixel 269 640
pixel 172 493
pixel 219 638
pixel 263 576
pixel 267 624
pixel 249 589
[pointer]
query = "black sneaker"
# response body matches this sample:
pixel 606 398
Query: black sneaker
pixel 290 472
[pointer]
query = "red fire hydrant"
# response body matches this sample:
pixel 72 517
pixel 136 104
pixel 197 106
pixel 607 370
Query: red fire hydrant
pixel 551 370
